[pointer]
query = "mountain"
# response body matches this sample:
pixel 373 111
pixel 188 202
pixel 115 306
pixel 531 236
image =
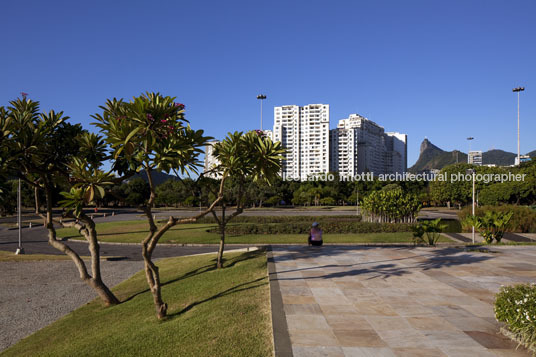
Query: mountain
pixel 432 157
pixel 498 157
pixel 158 177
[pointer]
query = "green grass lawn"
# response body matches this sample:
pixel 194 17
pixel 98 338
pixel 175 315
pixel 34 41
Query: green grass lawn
pixel 135 231
pixel 212 313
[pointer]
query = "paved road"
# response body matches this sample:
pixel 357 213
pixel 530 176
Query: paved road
pixel 35 242
pixel 132 214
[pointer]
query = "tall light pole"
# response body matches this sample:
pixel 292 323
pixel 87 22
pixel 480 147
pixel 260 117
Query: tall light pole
pixel 20 249
pixel 261 97
pixel 472 172
pixel 518 90
pixel 357 199
pixel 469 139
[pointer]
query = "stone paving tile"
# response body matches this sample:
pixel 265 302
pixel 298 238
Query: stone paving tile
pixel 307 322
pixel 491 340
pixel 302 309
pixel 368 352
pixel 322 351
pixel 359 338
pixel 313 338
pixel 375 301
pixel 298 299
pixel 418 352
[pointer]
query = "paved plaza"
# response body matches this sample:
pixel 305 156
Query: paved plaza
pixel 377 301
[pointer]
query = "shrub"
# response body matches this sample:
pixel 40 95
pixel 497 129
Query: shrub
pixel 432 229
pixel 516 307
pixel 392 205
pixel 491 226
pixel 326 226
pixel 523 218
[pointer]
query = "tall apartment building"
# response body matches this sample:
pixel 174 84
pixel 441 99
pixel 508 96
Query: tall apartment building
pixel 475 158
pixel 269 134
pixel 360 145
pixel 396 145
pixel 210 160
pixel 304 132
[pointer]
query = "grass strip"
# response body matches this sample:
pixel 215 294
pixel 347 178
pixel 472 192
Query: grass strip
pixel 212 312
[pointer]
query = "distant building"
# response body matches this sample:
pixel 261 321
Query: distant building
pixel 475 158
pixel 360 145
pixel 523 158
pixel 210 161
pixel 396 152
pixel 304 133
pixel 269 134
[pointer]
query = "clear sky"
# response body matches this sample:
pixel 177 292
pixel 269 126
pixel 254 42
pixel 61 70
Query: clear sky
pixel 438 69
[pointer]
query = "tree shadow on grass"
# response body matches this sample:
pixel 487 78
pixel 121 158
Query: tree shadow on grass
pixel 229 263
pixel 235 289
pixel 204 269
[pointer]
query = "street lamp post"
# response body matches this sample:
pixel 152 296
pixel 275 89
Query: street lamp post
pixel 357 199
pixel 469 139
pixel 20 249
pixel 518 90
pixel 261 97
pixel 472 172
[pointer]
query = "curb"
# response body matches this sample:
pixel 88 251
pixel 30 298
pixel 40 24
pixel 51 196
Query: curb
pixel 277 244
pixel 282 345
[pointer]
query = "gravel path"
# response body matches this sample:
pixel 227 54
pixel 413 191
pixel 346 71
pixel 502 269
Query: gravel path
pixel 34 294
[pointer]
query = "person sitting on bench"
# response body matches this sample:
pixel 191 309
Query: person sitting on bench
pixel 315 235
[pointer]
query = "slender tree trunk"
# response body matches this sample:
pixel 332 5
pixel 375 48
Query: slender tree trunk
pixel 153 279
pixel 94 281
pixel 148 244
pixel 36 197
pixel 219 263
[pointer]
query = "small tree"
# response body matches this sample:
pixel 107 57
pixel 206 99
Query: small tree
pixel 149 134
pixel 40 147
pixel 392 206
pixel 241 156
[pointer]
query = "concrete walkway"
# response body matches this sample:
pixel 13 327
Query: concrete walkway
pixel 374 301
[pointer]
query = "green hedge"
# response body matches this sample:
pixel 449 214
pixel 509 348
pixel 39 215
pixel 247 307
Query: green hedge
pixel 286 219
pixel 523 220
pixel 516 307
pixel 333 227
pixel 453 225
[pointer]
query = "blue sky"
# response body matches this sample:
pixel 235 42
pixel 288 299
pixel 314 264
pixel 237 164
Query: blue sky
pixel 438 69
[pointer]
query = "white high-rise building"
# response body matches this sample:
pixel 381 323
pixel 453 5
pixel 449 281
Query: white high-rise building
pixel 210 160
pixel 397 152
pixel 475 158
pixel 304 132
pixel 269 134
pixel 360 145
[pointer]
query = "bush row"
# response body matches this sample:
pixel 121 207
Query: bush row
pixel 452 225
pixel 523 219
pixel 304 227
pixel 516 307
pixel 286 219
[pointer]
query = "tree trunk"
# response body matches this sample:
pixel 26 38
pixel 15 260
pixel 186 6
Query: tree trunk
pixel 153 279
pixel 94 281
pixel 219 263
pixel 36 197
